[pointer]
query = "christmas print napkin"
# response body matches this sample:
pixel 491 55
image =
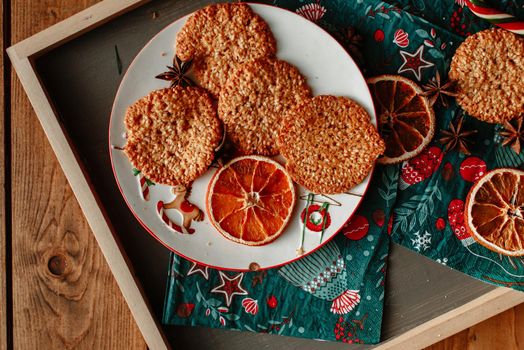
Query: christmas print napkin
pixel 337 292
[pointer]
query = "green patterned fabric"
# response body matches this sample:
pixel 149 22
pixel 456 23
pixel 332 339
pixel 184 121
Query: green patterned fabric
pixel 419 203
pixel 335 293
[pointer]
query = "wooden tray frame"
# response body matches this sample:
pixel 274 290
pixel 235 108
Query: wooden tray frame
pixel 22 56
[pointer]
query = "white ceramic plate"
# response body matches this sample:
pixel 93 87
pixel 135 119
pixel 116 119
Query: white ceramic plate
pixel 328 69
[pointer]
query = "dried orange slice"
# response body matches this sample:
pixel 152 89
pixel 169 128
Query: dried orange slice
pixel 494 212
pixel 250 200
pixel 405 118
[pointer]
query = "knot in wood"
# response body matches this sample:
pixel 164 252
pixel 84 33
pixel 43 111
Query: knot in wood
pixel 57 264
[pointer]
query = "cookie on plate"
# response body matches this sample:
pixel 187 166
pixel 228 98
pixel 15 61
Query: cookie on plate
pixel 329 144
pixel 172 134
pixel 254 100
pixel 489 69
pixel 218 37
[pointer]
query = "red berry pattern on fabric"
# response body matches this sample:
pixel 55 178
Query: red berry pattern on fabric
pixel 272 302
pixel 356 228
pixel 440 224
pixel 472 169
pixel 379 35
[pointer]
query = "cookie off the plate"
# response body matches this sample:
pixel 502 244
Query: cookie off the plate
pixel 172 134
pixel 254 101
pixel 329 144
pixel 489 69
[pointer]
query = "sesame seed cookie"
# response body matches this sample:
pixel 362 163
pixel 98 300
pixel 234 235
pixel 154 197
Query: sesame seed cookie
pixel 254 100
pixel 489 69
pixel 172 134
pixel 329 144
pixel 220 36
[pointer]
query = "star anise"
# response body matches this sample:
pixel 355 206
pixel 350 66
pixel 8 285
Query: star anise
pixel 513 134
pixel 456 137
pixel 435 90
pixel 176 73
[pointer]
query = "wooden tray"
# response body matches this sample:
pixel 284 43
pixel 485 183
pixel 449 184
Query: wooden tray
pixel 70 74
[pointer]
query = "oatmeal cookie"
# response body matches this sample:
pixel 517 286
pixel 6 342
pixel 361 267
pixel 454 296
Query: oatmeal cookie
pixel 489 69
pixel 219 37
pixel 172 134
pixel 329 144
pixel 254 100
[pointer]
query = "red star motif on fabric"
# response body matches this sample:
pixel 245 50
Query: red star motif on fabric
pixel 414 62
pixel 230 286
pixel 200 269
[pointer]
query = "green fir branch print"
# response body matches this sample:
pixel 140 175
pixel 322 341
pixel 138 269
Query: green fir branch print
pixel 390 181
pixel 417 208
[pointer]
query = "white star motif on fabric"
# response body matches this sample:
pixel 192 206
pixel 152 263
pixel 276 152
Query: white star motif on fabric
pixel 414 62
pixel 230 286
pixel 200 269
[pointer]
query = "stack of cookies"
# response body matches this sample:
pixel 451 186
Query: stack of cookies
pixel 263 104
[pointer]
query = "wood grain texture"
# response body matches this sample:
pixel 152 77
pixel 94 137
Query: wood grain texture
pixel 504 331
pixel 3 236
pixel 64 217
pixel 64 295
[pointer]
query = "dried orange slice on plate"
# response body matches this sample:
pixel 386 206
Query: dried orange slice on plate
pixel 405 118
pixel 250 200
pixel 494 212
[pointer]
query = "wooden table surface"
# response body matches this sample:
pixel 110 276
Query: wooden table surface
pixel 57 290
